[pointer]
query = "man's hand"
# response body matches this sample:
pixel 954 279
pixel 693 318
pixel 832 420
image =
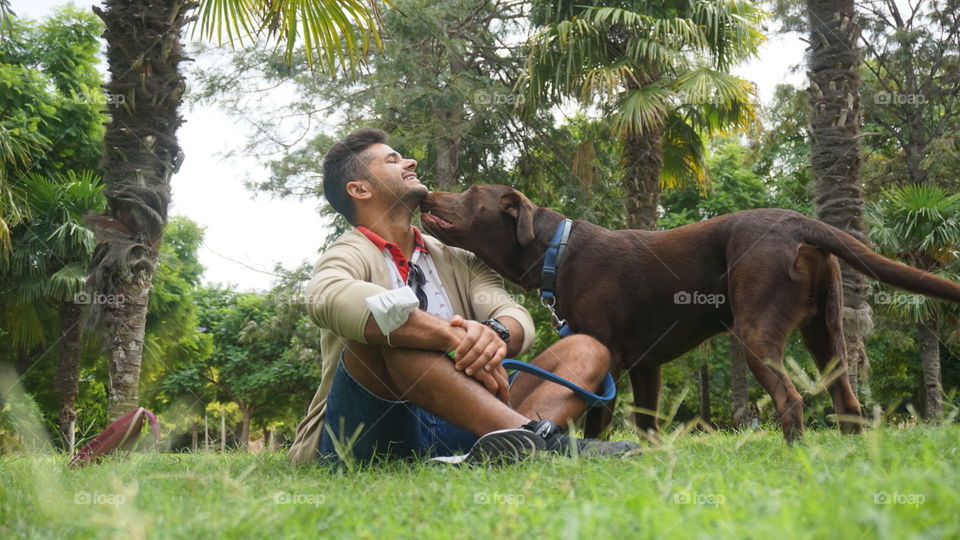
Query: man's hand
pixel 479 354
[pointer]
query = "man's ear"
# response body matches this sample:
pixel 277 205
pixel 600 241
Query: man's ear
pixel 358 189
pixel 518 206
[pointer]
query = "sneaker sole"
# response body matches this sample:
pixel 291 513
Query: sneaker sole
pixel 505 447
pixel 502 447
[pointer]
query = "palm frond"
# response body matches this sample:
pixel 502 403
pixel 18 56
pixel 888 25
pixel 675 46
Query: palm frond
pixel 65 283
pixel 683 155
pixel 334 32
pixel 24 326
pixel 642 109
pixel 717 102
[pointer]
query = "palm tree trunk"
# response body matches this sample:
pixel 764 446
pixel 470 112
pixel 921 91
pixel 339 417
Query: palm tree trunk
pixel 141 153
pixel 643 160
pixel 67 378
pixel 930 364
pixel 834 97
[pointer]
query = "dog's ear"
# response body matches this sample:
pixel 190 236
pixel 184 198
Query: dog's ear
pixel 520 207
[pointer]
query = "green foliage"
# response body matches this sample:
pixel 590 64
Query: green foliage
pixel 264 353
pixel 920 226
pixel 648 67
pixel 441 89
pixel 171 337
pixel 911 72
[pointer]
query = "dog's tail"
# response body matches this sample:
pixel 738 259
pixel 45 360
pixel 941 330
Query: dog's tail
pixel 875 266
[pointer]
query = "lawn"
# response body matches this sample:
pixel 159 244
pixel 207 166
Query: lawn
pixel 882 484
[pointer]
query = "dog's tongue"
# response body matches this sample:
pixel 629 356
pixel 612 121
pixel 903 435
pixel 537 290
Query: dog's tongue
pixel 434 219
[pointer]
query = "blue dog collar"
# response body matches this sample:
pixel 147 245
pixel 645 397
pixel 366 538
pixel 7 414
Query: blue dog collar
pixel 548 276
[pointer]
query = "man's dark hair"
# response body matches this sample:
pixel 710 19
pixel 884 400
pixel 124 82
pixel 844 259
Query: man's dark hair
pixel 344 163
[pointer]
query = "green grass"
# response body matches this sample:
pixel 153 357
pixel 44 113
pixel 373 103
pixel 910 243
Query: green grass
pixel 744 485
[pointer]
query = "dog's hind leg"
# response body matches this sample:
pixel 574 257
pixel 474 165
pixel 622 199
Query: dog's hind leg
pixel 763 348
pixel 645 381
pixel 823 337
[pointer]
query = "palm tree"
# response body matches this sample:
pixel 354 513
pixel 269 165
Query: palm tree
pixel 833 66
pixel 144 52
pixel 48 270
pixel 659 71
pixel 920 225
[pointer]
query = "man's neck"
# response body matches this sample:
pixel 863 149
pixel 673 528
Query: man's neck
pixel 399 232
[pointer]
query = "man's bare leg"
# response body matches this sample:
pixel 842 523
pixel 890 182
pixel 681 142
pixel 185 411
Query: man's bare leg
pixel 580 359
pixel 430 380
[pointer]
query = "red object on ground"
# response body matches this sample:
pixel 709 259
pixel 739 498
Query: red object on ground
pixel 122 435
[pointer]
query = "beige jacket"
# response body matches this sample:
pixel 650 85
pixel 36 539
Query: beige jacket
pixel 352 269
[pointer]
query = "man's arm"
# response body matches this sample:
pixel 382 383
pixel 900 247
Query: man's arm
pixel 421 331
pixel 424 331
pixel 482 349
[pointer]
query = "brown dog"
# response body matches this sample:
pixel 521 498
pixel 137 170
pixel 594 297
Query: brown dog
pixel 650 296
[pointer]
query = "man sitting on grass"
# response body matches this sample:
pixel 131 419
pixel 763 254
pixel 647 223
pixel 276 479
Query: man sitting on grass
pixel 392 303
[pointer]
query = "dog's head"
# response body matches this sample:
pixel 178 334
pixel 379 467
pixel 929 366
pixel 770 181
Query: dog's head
pixel 497 223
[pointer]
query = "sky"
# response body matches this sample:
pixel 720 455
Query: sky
pixel 246 236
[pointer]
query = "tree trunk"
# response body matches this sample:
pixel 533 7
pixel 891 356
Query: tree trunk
pixel 206 433
pixel 643 159
pixel 930 363
pixel 223 431
pixel 67 379
pixel 739 383
pixel 245 429
pixel 448 161
pixel 140 155
pixel 193 437
pixel 126 348
pixel 834 97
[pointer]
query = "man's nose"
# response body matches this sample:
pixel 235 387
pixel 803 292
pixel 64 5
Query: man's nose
pixel 410 164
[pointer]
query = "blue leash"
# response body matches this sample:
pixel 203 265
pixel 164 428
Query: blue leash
pixel 609 386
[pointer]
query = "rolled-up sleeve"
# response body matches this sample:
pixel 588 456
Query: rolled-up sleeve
pixel 335 294
pixel 491 300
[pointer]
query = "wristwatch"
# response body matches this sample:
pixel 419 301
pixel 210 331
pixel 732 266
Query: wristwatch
pixel 499 328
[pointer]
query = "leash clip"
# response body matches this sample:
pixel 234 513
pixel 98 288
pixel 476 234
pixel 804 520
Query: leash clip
pixel 558 324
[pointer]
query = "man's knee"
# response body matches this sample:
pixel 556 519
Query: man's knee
pixel 589 357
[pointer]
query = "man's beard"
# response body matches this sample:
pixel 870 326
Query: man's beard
pixel 410 198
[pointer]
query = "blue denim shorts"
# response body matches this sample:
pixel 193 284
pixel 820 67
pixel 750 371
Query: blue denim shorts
pixel 384 429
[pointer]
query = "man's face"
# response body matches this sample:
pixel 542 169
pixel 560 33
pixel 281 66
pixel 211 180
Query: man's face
pixel 393 176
